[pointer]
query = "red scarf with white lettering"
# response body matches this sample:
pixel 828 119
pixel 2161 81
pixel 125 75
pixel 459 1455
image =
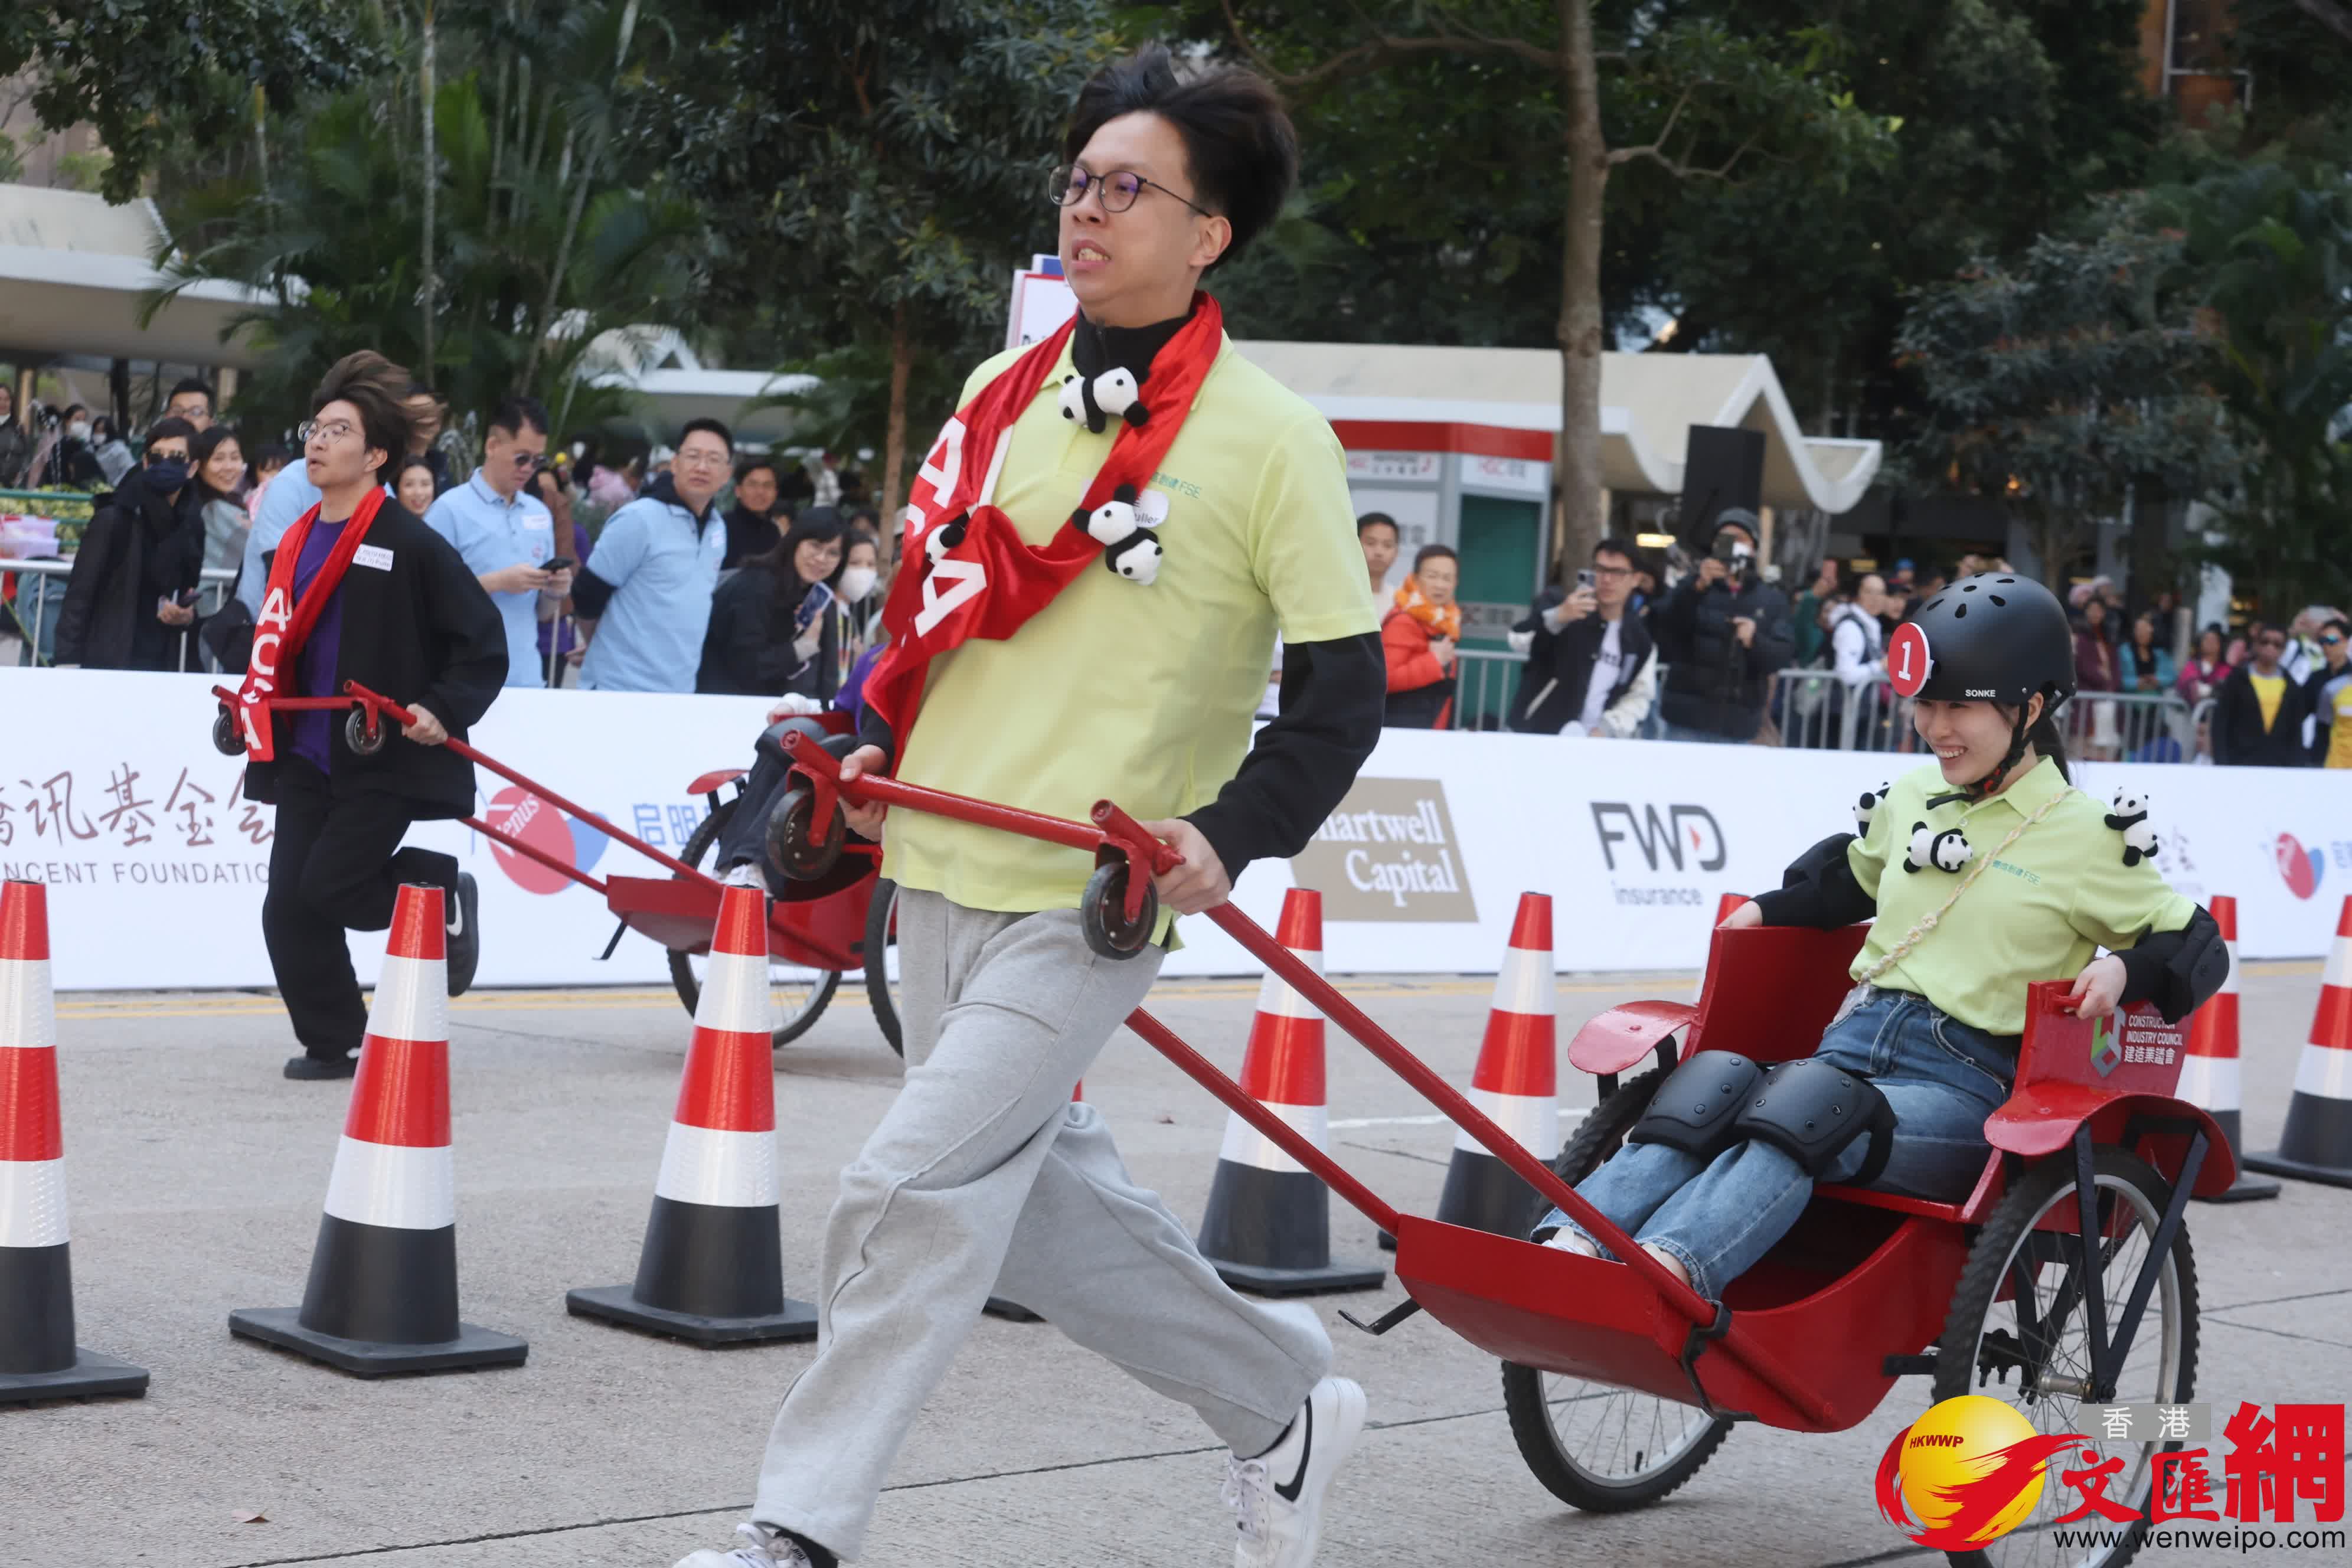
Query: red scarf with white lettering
pixel 283 625
pixel 990 583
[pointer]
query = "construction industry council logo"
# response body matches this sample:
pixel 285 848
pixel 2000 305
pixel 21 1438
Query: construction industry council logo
pixel 1966 1473
pixel 523 817
pixel 1640 837
pixel 2106 1044
pixel 1389 854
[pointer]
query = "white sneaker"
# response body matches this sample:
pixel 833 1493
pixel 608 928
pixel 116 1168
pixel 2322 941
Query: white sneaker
pixel 1566 1240
pixel 744 876
pixel 1278 1496
pixel 762 1548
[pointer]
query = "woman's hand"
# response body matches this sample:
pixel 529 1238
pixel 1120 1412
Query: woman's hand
pixel 2098 988
pixel 1746 915
pixel 866 821
pixel 1198 882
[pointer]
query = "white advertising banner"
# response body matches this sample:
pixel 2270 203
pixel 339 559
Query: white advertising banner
pixel 112 792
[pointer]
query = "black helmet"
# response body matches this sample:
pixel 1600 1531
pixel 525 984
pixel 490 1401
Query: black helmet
pixel 1995 637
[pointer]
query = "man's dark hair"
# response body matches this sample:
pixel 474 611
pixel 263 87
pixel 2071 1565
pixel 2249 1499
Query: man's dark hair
pixel 193 383
pixel 1619 545
pixel 164 429
pixel 272 452
pixel 1429 553
pixel 753 464
pixel 1240 148
pixel 376 387
pixel 2336 623
pixel 513 414
pixel 726 436
pixel 74 408
pixel 866 517
pixel 1378 519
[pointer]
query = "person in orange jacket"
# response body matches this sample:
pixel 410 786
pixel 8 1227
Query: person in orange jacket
pixel 1418 636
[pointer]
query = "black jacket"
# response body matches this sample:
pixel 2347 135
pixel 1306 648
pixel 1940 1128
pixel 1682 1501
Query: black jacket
pixel 748 649
pixel 1560 665
pixel 748 533
pixel 139 547
pixel 420 630
pixel 2239 739
pixel 1712 682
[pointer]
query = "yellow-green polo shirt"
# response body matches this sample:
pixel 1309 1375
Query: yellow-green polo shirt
pixel 2038 912
pixel 1143 695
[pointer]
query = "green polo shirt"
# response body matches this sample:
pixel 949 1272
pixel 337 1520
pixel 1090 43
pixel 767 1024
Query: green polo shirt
pixel 2039 911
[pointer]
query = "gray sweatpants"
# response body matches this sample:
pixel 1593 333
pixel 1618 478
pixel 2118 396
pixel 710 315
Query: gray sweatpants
pixel 981 1179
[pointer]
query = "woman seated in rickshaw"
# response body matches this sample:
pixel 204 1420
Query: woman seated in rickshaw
pixel 1979 874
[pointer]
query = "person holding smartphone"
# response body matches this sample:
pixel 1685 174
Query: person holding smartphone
pixel 506 535
pixel 1723 632
pixel 131 599
pixel 1591 667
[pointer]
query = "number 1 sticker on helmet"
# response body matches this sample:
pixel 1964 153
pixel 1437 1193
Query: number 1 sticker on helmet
pixel 1907 659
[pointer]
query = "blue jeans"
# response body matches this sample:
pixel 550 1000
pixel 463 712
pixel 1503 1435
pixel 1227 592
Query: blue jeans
pixel 1718 1216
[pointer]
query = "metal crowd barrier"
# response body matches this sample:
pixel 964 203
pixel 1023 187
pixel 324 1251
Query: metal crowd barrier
pixel 30 618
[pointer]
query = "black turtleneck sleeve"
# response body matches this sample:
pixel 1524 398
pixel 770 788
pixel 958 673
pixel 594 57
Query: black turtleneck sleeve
pixel 1334 695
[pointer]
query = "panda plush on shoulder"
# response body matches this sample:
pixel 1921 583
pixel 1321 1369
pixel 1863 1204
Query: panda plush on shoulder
pixel 944 537
pixel 1867 806
pixel 1945 851
pixel 2130 819
pixel 1094 400
pixel 1123 527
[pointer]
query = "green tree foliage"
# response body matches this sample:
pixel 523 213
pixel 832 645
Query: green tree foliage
pixel 145 71
pixel 2059 381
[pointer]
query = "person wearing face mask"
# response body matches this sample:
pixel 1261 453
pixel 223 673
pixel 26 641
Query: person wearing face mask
pixel 773 626
pixel 110 452
pixel 856 601
pixel 131 596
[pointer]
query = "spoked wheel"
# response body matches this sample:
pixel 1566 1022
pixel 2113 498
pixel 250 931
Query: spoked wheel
pixel 797 996
pixel 1600 1448
pixel 2017 1331
pixel 881 936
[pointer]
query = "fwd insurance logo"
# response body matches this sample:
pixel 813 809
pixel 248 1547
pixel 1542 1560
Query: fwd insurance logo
pixel 1648 849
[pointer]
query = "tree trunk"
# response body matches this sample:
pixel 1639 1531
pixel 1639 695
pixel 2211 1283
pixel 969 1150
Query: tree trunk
pixel 1581 342
pixel 589 167
pixel 432 183
pixel 261 134
pixel 894 441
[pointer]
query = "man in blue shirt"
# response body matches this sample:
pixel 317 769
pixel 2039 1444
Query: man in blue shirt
pixel 644 599
pixel 506 535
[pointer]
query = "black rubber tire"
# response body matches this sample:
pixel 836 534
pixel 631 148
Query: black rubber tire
pixel 795 847
pixel 1595 1140
pixel 881 936
pixel 1102 913
pixel 228 739
pixel 698 846
pixel 363 739
pixel 1989 1260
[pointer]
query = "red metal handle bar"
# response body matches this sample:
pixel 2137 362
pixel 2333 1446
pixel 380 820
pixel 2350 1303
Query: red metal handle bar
pixel 594 884
pixel 1237 1099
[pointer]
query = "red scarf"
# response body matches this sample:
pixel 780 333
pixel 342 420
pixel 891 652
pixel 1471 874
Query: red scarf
pixel 280 633
pixel 989 582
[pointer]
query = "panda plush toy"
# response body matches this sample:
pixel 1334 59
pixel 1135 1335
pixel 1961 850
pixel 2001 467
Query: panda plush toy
pixel 944 537
pixel 1865 808
pixel 1123 526
pixel 1094 400
pixel 2130 819
pixel 1945 851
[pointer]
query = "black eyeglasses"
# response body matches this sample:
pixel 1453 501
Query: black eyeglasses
pixel 1118 189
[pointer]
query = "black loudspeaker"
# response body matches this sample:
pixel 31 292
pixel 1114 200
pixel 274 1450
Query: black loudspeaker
pixel 1724 469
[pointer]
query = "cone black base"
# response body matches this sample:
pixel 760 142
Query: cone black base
pixel 2278 1167
pixel 472 1347
pixel 2318 1129
pixel 1269 1232
pixel 1388 1242
pixel 91 1376
pixel 1483 1194
pixel 1332 1280
pixel 619 1304
pixel 2245 1188
pixel 1011 1311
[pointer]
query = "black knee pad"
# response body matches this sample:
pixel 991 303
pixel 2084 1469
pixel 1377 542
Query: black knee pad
pixel 1695 1108
pixel 1811 1110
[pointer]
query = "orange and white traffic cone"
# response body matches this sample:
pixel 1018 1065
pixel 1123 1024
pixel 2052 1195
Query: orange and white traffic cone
pixel 2209 1069
pixel 1268 1227
pixel 2317 1145
pixel 38 1358
pixel 711 1269
pixel 1517 1084
pixel 383 1295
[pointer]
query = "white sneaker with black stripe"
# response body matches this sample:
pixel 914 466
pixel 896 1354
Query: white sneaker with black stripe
pixel 1278 1497
pixel 761 1548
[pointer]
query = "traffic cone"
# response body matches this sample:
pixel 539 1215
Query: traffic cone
pixel 1268 1227
pixel 712 1267
pixel 2317 1145
pixel 38 1358
pixel 383 1295
pixel 1014 1311
pixel 1517 1084
pixel 2209 1069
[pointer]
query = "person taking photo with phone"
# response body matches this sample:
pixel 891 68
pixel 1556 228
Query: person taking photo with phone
pixel 1592 669
pixel 506 535
pixel 132 597
pixel 1723 633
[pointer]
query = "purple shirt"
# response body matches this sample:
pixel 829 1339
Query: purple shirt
pixel 314 666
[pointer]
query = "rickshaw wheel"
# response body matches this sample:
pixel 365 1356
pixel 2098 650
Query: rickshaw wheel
pixel 1598 1447
pixel 801 996
pixel 796 845
pixel 1102 913
pixel 881 936
pixel 364 739
pixel 1984 1349
pixel 228 739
